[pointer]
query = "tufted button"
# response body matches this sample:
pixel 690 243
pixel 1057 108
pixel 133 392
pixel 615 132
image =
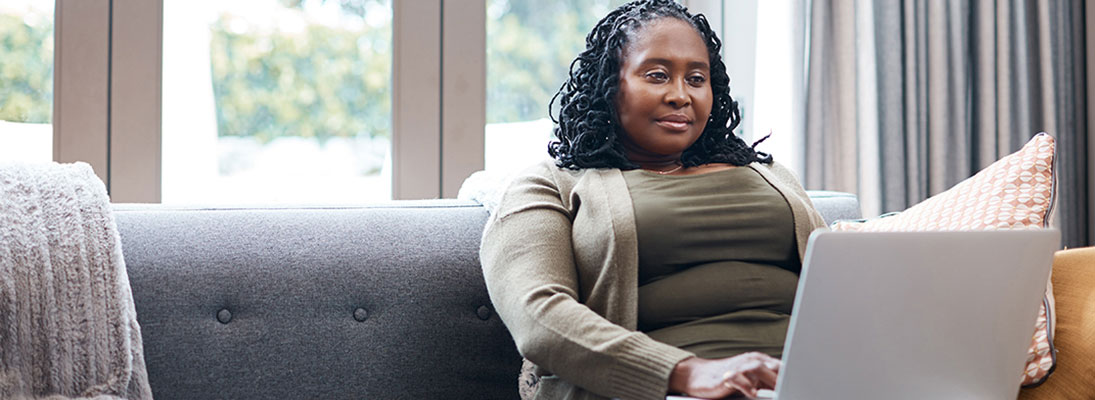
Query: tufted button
pixel 224 315
pixel 483 312
pixel 360 314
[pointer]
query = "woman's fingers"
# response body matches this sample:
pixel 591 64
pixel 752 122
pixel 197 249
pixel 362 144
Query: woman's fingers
pixel 768 370
pixel 773 364
pixel 741 383
pixel 767 374
pixel 764 377
pixel 752 371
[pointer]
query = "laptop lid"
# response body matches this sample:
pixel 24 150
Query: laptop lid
pixel 915 315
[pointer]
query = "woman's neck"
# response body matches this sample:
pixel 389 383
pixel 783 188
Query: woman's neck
pixel 651 161
pixel 659 165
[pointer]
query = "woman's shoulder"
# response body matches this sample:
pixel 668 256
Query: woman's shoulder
pixel 540 184
pixel 777 169
pixel 547 178
pixel 773 165
pixel 547 169
pixel 544 168
pixel 543 175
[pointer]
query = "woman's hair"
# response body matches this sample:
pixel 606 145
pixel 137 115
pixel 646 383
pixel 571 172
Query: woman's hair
pixel 587 126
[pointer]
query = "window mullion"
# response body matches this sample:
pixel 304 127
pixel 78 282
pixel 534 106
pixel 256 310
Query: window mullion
pixel 135 97
pixel 80 83
pixel 463 91
pixel 416 99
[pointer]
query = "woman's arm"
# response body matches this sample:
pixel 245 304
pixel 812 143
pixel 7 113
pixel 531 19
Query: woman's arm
pixel 528 265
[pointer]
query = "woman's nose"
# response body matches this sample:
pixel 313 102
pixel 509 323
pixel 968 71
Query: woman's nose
pixel 677 96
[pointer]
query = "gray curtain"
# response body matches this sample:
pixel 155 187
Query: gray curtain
pixel 906 98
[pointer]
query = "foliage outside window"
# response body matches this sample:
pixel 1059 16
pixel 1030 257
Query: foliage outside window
pixel 26 66
pixel 277 101
pixel 26 80
pixel 320 80
pixel 530 45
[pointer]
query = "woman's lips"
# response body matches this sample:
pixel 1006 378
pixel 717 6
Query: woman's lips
pixel 678 126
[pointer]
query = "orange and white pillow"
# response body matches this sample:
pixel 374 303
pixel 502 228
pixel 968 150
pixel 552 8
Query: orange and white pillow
pixel 1015 192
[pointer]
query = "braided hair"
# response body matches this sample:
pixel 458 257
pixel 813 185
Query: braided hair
pixel 587 126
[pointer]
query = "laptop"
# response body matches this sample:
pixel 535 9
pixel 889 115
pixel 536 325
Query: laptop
pixel 914 315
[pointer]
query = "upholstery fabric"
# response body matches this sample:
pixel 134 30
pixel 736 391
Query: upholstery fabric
pixel 835 206
pixel 383 302
pixel 1074 288
pixel 1015 192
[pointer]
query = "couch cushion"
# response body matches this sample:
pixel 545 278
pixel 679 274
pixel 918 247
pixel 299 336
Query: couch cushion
pixel 385 301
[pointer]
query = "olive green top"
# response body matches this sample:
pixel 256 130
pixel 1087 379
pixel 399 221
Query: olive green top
pixel 718 263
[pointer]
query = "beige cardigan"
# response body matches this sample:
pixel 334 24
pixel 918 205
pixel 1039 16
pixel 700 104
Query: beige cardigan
pixel 560 259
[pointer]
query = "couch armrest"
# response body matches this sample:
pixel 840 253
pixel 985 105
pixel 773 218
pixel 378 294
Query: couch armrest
pixel 835 206
pixel 1074 289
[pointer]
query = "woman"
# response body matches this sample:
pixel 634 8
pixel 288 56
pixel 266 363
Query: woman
pixel 659 253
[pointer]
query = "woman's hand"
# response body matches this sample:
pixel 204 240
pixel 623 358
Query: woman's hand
pixel 716 379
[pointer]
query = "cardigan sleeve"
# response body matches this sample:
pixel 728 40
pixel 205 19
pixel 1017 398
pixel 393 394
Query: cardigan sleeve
pixel 792 181
pixel 528 264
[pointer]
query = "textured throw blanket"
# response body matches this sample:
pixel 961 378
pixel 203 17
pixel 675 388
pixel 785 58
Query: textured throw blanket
pixel 68 328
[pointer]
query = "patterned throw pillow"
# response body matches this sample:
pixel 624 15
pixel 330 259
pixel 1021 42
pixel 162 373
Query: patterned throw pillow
pixel 1015 192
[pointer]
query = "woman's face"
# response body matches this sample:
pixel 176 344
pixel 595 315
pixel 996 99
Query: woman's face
pixel 665 90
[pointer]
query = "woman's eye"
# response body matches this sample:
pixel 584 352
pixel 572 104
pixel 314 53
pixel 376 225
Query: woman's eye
pixel 697 80
pixel 658 76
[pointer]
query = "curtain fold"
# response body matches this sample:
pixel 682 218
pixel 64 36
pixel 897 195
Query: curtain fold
pixel 906 98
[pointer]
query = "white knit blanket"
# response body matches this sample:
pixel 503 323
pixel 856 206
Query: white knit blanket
pixel 68 328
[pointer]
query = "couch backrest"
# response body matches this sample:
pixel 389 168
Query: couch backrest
pixel 384 301
pixel 381 301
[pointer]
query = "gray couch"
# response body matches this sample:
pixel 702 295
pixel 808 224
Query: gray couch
pixel 379 301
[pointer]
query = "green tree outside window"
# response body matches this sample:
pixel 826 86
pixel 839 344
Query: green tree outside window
pixel 26 70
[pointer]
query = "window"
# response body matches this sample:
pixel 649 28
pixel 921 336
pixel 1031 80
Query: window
pixel 530 45
pixel 26 80
pixel 292 101
pixel 277 101
pixel 778 88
